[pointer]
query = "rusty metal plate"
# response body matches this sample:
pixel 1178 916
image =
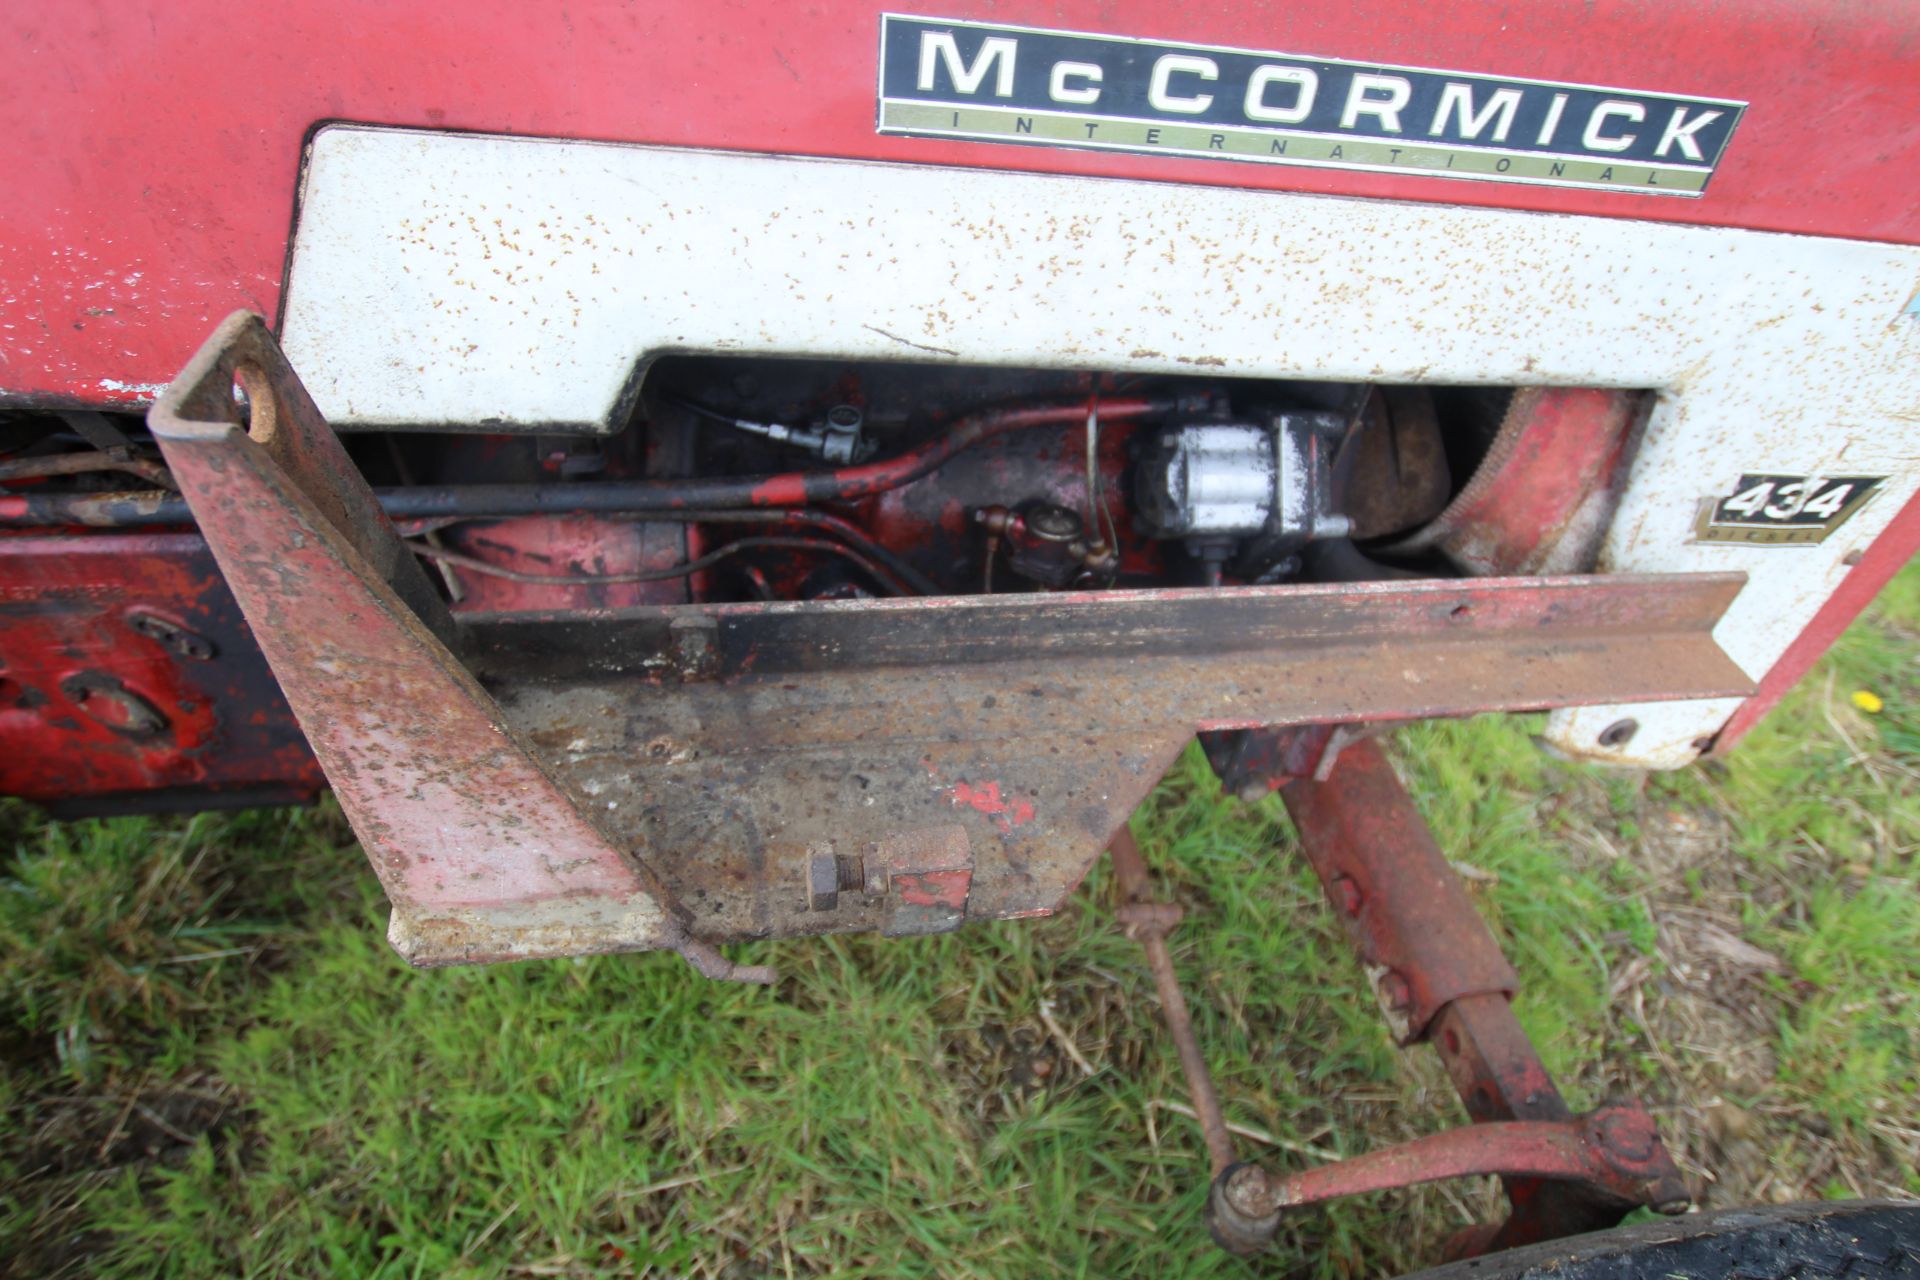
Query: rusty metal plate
pixel 728 741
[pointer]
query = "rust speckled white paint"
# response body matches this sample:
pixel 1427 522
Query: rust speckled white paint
pixel 448 280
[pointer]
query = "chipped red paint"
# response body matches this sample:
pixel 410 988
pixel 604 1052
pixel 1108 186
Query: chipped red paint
pixel 781 491
pixel 933 888
pixel 930 870
pixel 77 666
pixel 1441 978
pixel 1399 898
pixel 1006 813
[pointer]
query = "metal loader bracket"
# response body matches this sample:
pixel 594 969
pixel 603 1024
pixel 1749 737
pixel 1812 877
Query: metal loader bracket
pixel 483 855
pixel 540 785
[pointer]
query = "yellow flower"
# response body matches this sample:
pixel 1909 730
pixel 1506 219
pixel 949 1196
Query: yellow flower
pixel 1871 703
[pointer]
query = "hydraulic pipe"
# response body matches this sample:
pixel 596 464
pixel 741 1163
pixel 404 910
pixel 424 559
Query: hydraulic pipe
pixel 621 497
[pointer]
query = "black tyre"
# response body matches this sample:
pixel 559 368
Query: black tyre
pixel 1856 1239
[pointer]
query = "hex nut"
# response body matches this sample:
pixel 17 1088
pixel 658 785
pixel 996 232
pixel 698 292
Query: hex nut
pixel 823 880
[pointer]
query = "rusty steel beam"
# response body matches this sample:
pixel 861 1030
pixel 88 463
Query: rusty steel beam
pixel 482 853
pixel 1455 642
pixel 740 738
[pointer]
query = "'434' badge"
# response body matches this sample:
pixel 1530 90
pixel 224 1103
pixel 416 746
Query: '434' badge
pixel 1783 511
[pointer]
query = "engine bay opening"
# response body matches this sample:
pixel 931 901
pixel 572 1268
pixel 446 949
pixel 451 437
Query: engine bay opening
pixel 824 480
pixel 797 480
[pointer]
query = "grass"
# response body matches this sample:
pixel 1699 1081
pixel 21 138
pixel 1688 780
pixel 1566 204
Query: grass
pixel 213 1065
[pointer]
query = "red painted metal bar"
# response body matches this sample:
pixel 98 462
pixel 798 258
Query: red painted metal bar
pixel 1501 1079
pixel 1441 978
pixel 483 854
pixel 1400 901
pixel 1614 1149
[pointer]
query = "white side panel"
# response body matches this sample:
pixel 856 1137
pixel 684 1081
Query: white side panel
pixel 521 283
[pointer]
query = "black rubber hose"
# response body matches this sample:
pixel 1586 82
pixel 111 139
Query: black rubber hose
pixel 623 497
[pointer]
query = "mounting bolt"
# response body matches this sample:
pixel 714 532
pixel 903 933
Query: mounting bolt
pixel 830 874
pixel 1626 1134
pixel 823 879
